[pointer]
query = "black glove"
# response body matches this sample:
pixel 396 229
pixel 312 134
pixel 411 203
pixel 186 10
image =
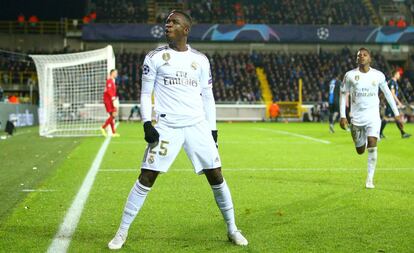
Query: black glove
pixel 151 134
pixel 215 136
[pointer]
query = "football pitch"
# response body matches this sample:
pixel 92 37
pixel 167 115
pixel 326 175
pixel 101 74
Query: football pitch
pixel 295 187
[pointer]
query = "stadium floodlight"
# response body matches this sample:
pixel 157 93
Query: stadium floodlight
pixel 70 90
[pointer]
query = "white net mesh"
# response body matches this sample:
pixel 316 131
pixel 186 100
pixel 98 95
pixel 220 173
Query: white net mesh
pixel 71 88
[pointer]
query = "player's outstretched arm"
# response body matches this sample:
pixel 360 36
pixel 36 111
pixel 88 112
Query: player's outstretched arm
pixel 209 105
pixel 210 110
pixel 151 134
pixel 343 123
pixel 344 93
pixel 148 78
pixel 342 106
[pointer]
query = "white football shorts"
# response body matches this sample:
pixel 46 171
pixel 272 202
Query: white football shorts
pixel 360 133
pixel 198 144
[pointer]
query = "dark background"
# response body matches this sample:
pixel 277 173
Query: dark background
pixel 43 9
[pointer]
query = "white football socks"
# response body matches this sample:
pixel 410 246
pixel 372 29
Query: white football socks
pixel 134 203
pixel 372 162
pixel 139 193
pixel 225 203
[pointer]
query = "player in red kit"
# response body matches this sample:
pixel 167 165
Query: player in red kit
pixel 110 100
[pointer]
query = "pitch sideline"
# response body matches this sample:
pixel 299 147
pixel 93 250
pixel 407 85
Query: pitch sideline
pixel 63 237
pixel 269 169
pixel 294 134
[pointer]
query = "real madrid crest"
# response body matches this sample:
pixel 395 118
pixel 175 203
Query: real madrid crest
pixel 166 57
pixel 194 65
pixel 373 83
pixel 356 78
pixel 151 160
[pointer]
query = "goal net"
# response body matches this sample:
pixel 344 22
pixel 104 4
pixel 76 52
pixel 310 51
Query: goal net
pixel 70 91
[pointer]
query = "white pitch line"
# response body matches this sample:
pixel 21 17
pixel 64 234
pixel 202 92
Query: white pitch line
pixel 37 190
pixel 124 142
pixel 294 134
pixel 271 169
pixel 63 237
pixel 22 133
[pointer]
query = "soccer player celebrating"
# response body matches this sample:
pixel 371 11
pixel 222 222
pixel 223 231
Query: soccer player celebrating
pixel 111 102
pixel 185 111
pixel 393 85
pixel 362 86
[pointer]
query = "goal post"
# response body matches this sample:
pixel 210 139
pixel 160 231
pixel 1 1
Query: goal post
pixel 68 84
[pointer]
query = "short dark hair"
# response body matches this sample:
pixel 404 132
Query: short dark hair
pixel 364 49
pixel 112 70
pixel 185 15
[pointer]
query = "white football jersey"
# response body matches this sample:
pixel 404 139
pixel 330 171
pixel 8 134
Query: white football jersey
pixel 363 90
pixel 178 79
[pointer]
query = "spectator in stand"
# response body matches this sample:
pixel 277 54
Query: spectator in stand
pixel 391 22
pixel 239 14
pixel 86 19
pixel 401 23
pixel 33 21
pixel 13 99
pixel 21 19
pixel 92 16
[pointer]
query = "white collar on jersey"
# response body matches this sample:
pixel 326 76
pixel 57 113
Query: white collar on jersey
pixel 364 72
pixel 188 49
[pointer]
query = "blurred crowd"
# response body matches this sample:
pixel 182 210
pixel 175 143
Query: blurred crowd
pixel 300 12
pixel 234 74
pixel 122 11
pixel 350 12
pixel 400 17
pixel 129 67
pixel 234 78
pixel 316 70
pixel 16 69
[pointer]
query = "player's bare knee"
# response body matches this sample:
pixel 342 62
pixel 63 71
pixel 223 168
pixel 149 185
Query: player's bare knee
pixel 372 142
pixel 214 176
pixel 360 150
pixel 148 177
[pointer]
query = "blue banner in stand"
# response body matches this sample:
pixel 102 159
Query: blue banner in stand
pixel 255 33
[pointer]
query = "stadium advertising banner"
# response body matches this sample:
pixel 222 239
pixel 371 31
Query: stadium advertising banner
pixel 255 33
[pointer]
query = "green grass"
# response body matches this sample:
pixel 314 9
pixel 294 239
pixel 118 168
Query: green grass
pixel 26 160
pixel 291 194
